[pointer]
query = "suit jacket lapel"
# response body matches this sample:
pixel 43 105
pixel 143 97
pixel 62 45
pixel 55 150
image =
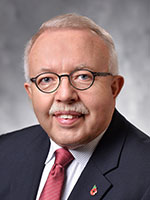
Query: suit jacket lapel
pixel 104 159
pixel 90 177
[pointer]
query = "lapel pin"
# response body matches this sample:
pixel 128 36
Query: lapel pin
pixel 93 190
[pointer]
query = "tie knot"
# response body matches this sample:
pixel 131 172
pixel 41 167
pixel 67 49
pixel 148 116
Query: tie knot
pixel 63 157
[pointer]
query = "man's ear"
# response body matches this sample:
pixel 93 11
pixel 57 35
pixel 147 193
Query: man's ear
pixel 28 89
pixel 117 85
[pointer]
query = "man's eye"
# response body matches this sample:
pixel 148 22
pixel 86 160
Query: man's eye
pixel 46 80
pixel 84 77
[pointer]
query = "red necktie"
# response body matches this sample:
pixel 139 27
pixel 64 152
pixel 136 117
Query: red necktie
pixel 54 184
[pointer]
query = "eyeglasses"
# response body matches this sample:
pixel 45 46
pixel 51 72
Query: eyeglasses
pixel 80 79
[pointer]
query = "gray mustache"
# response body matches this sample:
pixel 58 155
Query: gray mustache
pixel 77 107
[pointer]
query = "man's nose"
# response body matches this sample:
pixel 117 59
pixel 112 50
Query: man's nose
pixel 66 93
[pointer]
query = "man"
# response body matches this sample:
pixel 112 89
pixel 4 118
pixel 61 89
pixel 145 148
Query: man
pixel 72 80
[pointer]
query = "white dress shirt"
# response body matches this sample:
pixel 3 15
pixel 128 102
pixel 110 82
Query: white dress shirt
pixel 81 157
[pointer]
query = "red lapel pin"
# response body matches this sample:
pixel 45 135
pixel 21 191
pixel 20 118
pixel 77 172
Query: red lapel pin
pixel 93 190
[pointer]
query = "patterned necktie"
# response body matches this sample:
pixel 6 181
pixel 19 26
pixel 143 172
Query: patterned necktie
pixel 54 184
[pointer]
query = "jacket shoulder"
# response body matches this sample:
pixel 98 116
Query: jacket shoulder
pixel 132 132
pixel 22 138
pixel 22 156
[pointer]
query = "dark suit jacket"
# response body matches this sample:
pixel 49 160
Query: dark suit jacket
pixel 119 167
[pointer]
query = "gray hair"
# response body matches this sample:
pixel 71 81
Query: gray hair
pixel 74 21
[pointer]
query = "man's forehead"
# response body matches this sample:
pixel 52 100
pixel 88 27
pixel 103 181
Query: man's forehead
pixel 80 40
pixel 72 34
pixel 72 47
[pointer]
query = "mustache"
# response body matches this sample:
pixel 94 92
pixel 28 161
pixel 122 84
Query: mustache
pixel 77 107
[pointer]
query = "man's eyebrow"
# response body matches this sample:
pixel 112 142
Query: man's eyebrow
pixel 82 66
pixel 53 69
pixel 46 69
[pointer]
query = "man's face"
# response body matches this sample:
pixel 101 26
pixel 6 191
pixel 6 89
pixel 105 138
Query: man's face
pixel 62 51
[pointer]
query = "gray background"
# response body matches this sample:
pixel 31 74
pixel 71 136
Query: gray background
pixel 128 21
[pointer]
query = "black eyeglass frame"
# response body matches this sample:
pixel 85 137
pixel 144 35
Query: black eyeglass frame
pixel 94 74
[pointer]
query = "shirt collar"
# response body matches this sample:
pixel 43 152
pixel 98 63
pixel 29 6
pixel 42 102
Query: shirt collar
pixel 53 148
pixel 81 154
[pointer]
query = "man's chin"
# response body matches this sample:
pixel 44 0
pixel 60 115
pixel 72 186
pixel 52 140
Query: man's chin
pixel 68 142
